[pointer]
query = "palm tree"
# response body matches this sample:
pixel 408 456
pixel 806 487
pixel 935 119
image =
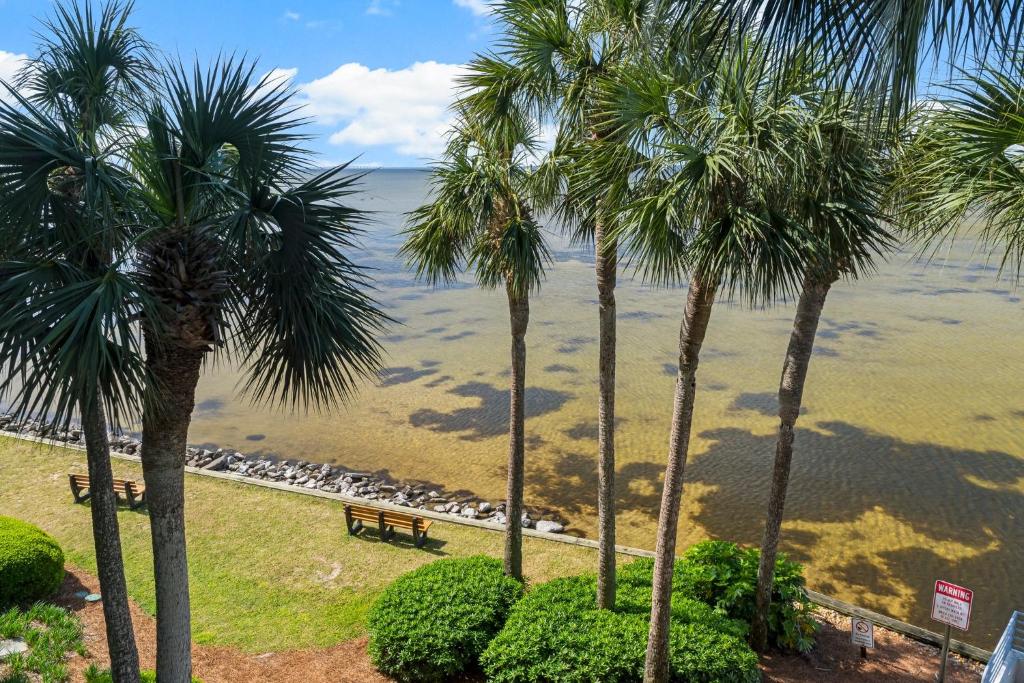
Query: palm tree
pixel 550 57
pixel 480 217
pixel 712 204
pixel 242 246
pixel 961 168
pixel 838 192
pixel 63 330
pixel 878 48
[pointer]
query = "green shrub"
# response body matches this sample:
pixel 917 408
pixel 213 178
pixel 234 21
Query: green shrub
pixel 432 623
pixel 50 633
pixel 724 575
pixel 31 563
pixel 96 675
pixel 556 634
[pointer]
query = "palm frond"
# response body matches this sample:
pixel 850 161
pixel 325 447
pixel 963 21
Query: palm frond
pixel 307 326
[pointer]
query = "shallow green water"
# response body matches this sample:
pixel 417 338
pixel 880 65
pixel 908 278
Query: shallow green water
pixel 909 460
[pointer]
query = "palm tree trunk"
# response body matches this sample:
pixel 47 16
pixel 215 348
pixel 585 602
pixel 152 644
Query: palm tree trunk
pixel 699 301
pixel 165 425
pixel 106 534
pixel 605 265
pixel 791 389
pixel 519 315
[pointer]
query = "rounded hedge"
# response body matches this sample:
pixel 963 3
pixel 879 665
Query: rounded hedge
pixel 31 563
pixel 556 634
pixel 434 622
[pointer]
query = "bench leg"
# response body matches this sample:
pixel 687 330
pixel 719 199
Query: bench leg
pixel 419 536
pixel 385 535
pixel 136 503
pixel 77 492
pixel 416 531
pixel 354 525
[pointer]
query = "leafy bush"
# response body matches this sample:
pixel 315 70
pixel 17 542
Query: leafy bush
pixel 50 633
pixel 96 675
pixel 724 575
pixel 434 622
pixel 31 563
pixel 556 634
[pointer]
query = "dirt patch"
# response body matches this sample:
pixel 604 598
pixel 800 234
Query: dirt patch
pixel 837 660
pixel 894 659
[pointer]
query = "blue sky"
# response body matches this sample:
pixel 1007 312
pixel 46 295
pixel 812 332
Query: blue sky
pixel 376 74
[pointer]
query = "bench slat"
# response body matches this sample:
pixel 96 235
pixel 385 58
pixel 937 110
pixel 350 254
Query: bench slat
pixel 391 519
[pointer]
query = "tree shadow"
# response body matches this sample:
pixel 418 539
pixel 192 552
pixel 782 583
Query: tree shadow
pixel 389 377
pixel 569 482
pixel 489 418
pixel 967 503
pixel 841 473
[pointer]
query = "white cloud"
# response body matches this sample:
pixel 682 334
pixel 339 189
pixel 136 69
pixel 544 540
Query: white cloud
pixel 383 8
pixel 406 109
pixel 10 64
pixel 478 7
pixel 292 16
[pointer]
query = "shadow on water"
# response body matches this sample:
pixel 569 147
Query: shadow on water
pixel 490 417
pixel 951 496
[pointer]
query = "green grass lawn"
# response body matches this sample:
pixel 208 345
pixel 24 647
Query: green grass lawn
pixel 270 570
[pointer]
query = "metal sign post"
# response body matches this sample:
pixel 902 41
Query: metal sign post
pixel 951 605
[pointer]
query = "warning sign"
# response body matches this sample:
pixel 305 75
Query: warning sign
pixel 951 605
pixel 862 632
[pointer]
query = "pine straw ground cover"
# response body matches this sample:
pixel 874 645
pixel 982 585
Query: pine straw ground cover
pixel 280 592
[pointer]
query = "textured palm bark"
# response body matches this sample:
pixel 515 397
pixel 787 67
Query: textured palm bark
pixel 699 302
pixel 175 372
pixel 791 390
pixel 605 266
pixel 106 533
pixel 519 315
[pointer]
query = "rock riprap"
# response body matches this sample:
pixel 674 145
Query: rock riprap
pixel 312 476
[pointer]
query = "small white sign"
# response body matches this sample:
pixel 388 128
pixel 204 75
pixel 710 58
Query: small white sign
pixel 951 605
pixel 862 632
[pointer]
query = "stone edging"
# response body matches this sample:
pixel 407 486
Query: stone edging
pixel 909 630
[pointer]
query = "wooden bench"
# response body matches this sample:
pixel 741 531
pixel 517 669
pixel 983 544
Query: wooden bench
pixel 387 521
pixel 133 492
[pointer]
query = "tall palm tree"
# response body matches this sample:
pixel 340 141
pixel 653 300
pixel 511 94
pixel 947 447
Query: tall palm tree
pixel 549 60
pixel 839 181
pixel 961 169
pixel 711 206
pixel 62 334
pixel 481 217
pixel 242 247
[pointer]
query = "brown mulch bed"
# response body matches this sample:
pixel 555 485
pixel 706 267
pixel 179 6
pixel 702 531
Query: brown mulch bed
pixel 836 659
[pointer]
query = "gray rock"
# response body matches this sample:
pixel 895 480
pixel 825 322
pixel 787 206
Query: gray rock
pixel 484 507
pixel 218 464
pixel 12 647
pixel 549 527
pixel 469 513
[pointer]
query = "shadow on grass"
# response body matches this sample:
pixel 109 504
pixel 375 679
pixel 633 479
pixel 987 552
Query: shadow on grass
pixel 433 546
